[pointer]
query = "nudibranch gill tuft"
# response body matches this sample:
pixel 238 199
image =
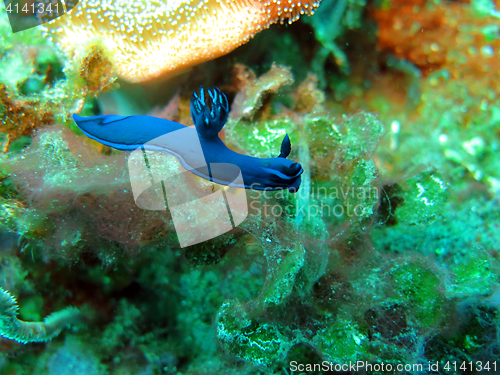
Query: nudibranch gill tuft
pixel 209 110
pixel 152 38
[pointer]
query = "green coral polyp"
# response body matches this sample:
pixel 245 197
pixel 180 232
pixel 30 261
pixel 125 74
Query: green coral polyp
pixel 25 332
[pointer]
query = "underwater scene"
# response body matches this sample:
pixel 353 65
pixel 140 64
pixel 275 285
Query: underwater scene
pixel 249 187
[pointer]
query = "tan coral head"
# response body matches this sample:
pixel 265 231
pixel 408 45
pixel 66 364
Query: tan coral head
pixel 153 38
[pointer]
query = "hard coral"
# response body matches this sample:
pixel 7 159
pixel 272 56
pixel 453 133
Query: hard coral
pixel 150 38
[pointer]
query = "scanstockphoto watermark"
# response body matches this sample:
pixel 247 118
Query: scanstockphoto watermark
pixel 322 202
pixel 391 368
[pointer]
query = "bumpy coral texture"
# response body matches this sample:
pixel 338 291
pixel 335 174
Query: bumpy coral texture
pixel 153 38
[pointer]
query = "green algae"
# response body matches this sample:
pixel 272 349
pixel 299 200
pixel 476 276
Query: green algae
pixel 17 64
pixel 263 138
pixel 419 289
pixel 280 279
pixel 423 198
pixel 341 342
pixel 474 276
pixel 247 339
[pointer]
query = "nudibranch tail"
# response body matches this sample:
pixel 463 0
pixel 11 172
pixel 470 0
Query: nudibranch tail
pixel 209 110
pixel 200 151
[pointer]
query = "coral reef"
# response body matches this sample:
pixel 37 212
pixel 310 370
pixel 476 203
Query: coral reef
pixel 32 93
pixel 388 253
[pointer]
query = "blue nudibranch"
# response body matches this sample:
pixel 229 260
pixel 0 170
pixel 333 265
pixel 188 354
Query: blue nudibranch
pixel 209 110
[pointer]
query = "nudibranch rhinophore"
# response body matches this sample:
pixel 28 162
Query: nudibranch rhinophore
pixel 209 110
pixel 152 38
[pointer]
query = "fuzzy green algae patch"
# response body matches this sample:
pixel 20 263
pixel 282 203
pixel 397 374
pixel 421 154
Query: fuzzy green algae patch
pixel 474 275
pixel 247 339
pixel 17 65
pixel 423 197
pixel 341 341
pixel 263 138
pixel 419 288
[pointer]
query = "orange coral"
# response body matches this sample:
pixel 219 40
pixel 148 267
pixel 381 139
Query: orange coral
pixel 447 35
pixel 414 32
pixel 150 38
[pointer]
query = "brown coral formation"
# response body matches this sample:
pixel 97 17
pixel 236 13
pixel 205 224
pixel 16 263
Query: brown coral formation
pixel 249 99
pixel 20 117
pixel 308 97
pixel 96 70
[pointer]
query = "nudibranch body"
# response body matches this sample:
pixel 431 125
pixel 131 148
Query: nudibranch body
pixel 214 161
pixel 152 38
